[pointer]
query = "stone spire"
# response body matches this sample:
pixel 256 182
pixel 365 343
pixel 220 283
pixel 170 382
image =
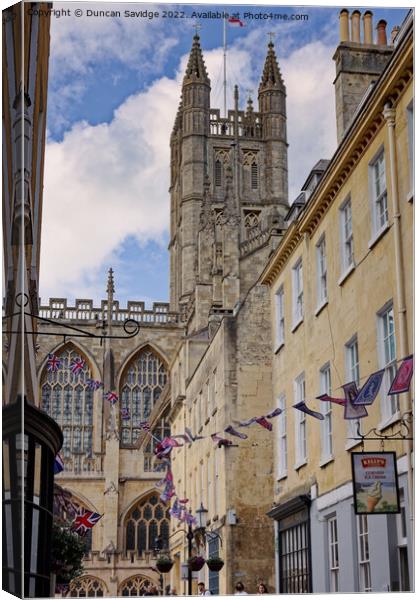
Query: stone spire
pixel 196 69
pixel 271 78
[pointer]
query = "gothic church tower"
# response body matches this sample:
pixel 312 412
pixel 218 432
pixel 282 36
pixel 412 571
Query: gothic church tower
pixel 228 192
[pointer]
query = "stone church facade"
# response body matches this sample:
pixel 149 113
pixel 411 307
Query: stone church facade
pixel 201 361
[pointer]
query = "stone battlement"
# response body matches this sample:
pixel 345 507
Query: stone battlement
pixel 84 310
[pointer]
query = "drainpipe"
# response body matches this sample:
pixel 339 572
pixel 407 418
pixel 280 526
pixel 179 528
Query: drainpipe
pixel 389 115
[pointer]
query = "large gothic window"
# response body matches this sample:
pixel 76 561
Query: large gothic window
pixel 67 398
pixel 135 586
pixel 87 587
pixel 141 387
pixel 147 520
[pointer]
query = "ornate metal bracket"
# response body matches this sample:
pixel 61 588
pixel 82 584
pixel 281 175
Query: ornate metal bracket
pixel 402 433
pixel 130 326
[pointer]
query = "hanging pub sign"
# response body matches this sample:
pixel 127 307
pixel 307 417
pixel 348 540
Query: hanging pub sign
pixel 375 483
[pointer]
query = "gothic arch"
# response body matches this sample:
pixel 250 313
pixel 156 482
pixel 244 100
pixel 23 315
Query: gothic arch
pixel 144 519
pixel 93 365
pixel 135 584
pixel 88 586
pixel 68 399
pixel 146 345
pixel 141 382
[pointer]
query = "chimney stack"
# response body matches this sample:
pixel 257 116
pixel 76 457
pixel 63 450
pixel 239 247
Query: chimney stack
pixel 355 26
pixel 358 63
pixel 367 27
pixel 381 29
pixel 344 25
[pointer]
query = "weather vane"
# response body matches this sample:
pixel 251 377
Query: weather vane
pixel 271 35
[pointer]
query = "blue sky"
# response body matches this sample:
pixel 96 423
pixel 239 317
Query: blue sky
pixel 114 87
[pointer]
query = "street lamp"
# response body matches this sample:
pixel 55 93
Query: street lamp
pixel 201 516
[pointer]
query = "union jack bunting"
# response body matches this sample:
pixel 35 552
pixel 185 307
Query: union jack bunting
pixel 145 425
pixel 112 397
pixel 93 384
pixel 53 363
pixel 84 521
pixel 77 365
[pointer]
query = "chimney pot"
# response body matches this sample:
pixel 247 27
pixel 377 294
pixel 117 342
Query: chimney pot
pixel 344 25
pixel 394 33
pixel 367 27
pixel 381 29
pixel 355 26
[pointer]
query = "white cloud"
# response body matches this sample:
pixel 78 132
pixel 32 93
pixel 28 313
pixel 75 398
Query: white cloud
pixel 105 182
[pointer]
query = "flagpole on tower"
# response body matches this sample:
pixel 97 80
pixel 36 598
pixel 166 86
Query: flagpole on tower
pixel 224 67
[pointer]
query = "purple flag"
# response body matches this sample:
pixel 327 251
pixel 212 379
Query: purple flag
pixel 58 464
pixel 246 423
pixel 370 389
pixel 232 431
pixel 351 411
pixel 327 398
pixel 176 510
pixel 264 423
pixel 274 413
pixel 403 377
pixel 302 406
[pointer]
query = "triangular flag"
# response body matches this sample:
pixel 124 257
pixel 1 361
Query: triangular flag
pixel 233 431
pixel 302 406
pixel 264 423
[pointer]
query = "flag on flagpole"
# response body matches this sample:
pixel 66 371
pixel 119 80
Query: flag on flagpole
pixel 53 363
pixel 351 411
pixel 370 389
pixel 58 464
pixel 402 379
pixel 313 413
pixel 235 22
pixel 84 521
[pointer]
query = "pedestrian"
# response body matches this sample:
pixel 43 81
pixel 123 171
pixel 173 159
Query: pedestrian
pixel 173 592
pixel 240 589
pixel 202 590
pixel 262 588
pixel 151 590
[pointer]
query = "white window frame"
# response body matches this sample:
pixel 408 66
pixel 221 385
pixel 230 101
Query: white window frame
pixel 282 438
pixel 326 409
pixel 363 554
pixel 279 318
pixel 387 359
pixel 321 259
pixel 346 239
pixel 301 447
pixel 298 306
pixel 378 195
pixel 333 557
pixel 352 374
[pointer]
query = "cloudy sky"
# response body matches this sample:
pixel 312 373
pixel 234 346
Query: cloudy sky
pixel 114 87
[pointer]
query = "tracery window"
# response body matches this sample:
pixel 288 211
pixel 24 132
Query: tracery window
pixel 135 586
pixel 67 398
pixel 251 223
pixel 141 387
pixel 87 587
pixel 147 520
